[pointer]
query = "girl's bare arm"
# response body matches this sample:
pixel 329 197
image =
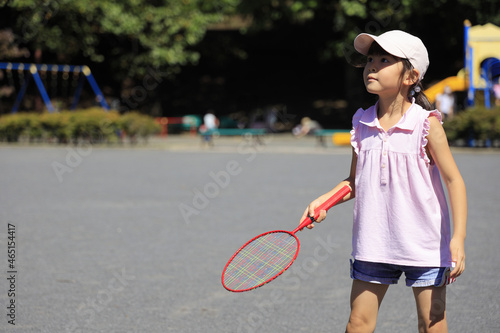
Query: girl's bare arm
pixel 441 154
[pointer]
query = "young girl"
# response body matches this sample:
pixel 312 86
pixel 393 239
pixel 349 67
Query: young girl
pixel 401 219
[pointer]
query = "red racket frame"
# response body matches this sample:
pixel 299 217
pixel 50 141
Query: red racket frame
pixel 329 203
pixel 275 276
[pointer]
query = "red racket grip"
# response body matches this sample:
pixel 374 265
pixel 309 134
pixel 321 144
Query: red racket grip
pixel 329 203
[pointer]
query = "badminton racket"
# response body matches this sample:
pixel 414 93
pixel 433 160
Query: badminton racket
pixel 265 257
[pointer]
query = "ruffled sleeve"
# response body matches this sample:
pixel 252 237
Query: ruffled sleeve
pixel 425 133
pixel 355 123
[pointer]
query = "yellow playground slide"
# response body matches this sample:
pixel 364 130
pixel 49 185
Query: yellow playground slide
pixel 456 83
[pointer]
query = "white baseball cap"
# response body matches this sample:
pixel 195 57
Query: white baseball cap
pixel 398 43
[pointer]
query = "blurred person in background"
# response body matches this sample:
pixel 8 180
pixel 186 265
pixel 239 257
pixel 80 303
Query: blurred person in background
pixel 445 103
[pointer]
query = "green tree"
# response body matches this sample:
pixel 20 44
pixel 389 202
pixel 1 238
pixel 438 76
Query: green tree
pixel 131 35
pixel 344 19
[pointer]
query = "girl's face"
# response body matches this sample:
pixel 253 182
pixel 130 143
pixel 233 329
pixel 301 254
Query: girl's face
pixel 382 74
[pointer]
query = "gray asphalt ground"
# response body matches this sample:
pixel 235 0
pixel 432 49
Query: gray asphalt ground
pixel 134 239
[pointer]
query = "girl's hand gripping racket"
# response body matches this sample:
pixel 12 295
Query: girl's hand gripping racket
pixel 265 257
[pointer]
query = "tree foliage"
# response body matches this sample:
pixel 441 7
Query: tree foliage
pixel 8 48
pixel 131 35
pixel 132 38
pixel 347 18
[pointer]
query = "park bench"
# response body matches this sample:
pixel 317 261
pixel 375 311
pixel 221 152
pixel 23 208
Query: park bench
pixel 253 133
pixel 339 137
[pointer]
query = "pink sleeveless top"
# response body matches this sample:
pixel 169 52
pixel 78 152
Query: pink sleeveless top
pixel 400 212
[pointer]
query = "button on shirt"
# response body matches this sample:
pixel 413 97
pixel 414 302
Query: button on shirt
pixel 400 211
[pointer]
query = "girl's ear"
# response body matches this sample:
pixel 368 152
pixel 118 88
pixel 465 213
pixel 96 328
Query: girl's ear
pixel 411 77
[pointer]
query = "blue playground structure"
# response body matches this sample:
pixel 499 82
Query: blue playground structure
pixel 482 59
pixel 482 65
pixel 34 71
pixel 490 73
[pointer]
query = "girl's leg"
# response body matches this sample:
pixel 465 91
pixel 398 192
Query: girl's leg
pixel 365 301
pixel 431 309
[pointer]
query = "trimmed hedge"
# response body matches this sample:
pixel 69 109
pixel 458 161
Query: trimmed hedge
pixel 474 124
pixel 91 125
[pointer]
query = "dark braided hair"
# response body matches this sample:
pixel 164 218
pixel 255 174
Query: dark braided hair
pixel 416 90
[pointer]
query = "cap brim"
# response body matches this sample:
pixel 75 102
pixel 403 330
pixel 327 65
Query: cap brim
pixel 363 42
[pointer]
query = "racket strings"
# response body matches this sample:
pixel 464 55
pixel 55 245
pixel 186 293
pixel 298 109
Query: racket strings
pixel 261 260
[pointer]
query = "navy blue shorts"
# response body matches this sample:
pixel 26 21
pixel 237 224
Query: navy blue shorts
pixel 389 274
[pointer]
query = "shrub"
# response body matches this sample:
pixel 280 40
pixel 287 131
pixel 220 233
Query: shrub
pixel 477 123
pixel 56 126
pixel 24 126
pixel 94 125
pixel 11 127
pixel 136 125
pixel 91 125
pixel 33 129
